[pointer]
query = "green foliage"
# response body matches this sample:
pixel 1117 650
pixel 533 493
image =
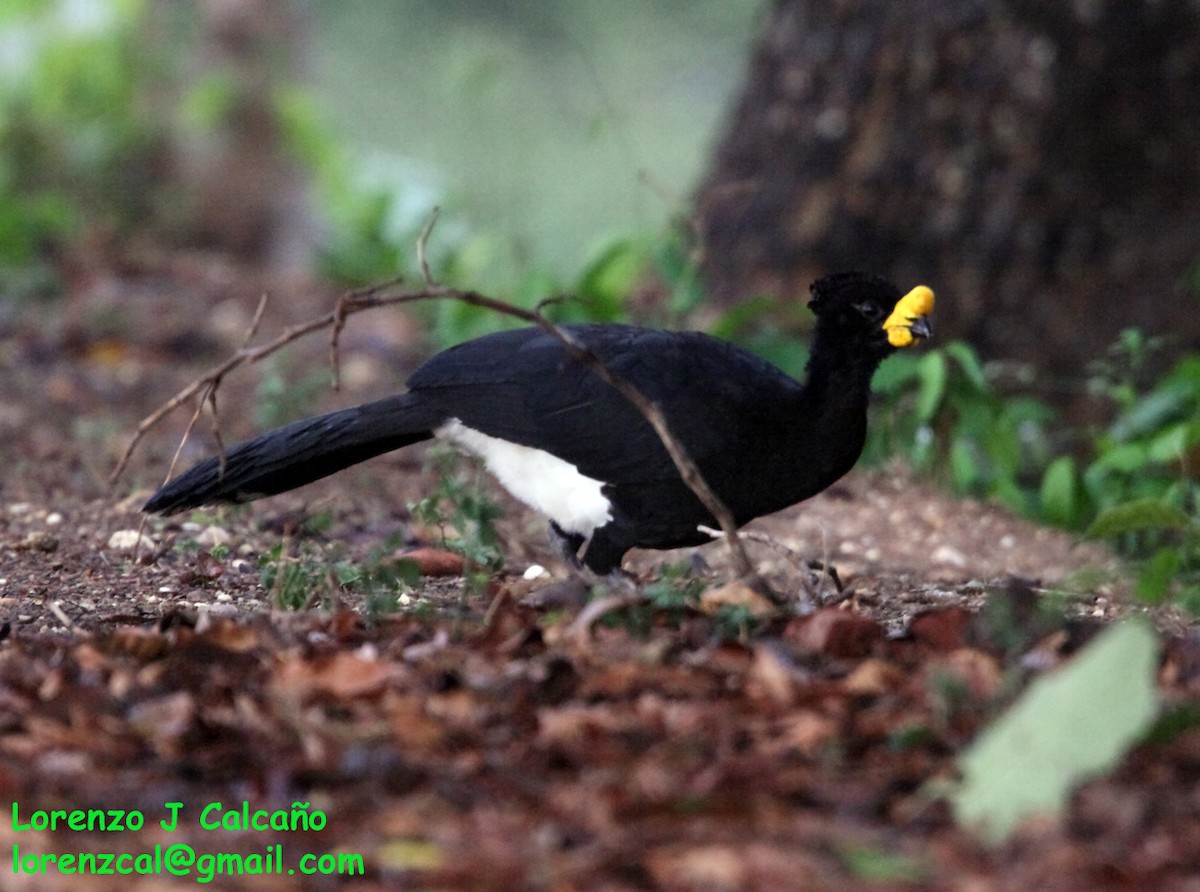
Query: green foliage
pixel 1165 536
pixel 1133 482
pixel 300 573
pixel 769 328
pixel 465 515
pixel 876 865
pixel 280 399
pixel 295 583
pixel 1141 486
pixel 675 591
pixel 675 596
pixel 940 410
pixel 77 132
pixel 374 206
pixel 87 108
pixel 1145 452
pixel 600 293
pixel 1069 726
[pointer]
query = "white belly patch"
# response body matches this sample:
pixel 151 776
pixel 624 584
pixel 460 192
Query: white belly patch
pixel 542 481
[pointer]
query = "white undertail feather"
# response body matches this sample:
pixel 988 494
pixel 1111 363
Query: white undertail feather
pixel 542 481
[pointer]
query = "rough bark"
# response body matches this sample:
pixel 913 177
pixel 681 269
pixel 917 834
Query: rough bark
pixel 1038 164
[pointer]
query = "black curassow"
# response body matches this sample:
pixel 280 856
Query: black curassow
pixel 569 445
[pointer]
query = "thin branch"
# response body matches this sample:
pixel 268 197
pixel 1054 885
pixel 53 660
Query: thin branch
pixel 798 560
pixel 593 611
pixel 650 410
pixel 422 244
pixel 61 616
pixel 380 295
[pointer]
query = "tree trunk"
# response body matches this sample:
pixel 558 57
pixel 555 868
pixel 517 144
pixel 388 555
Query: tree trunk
pixel 1037 164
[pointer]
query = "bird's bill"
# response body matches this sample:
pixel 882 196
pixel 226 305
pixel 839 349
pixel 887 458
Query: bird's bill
pixel 910 319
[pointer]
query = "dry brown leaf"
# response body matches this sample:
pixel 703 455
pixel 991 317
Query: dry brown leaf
pixel 835 632
pixel 735 594
pixel 714 867
pixel 808 731
pixel 979 672
pixel 140 643
pixel 772 676
pixel 942 629
pixel 411 725
pixel 164 720
pixel 578 721
pixel 343 676
pixel 871 677
pixel 435 562
pixel 233 636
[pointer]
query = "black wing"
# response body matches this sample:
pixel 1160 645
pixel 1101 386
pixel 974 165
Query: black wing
pixel 524 387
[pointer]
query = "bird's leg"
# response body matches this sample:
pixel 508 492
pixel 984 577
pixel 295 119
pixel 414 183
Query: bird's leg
pixel 602 570
pixel 566 544
pixel 571 592
pixel 831 571
pixel 600 553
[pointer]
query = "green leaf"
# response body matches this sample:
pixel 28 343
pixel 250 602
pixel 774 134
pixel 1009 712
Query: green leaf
pixel 896 375
pixel 732 324
pixel 969 362
pixel 933 385
pixel 1173 442
pixel 1069 726
pixel 1156 574
pixel 680 274
pixel 1140 514
pixel 877 865
pixel 1060 492
pixel 611 276
pixel 1128 457
pixel 964 466
pixel 1150 412
pixel 347 573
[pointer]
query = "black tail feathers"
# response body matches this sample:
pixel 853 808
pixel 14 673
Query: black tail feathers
pixel 298 453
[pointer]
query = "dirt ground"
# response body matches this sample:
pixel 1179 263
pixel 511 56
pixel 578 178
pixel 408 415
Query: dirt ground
pixel 469 740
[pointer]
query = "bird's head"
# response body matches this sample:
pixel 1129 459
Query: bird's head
pixel 869 312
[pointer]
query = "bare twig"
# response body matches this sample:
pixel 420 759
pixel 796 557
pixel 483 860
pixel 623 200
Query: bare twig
pixel 581 626
pixel 256 321
pixel 422 245
pixel 382 294
pixel 798 560
pixel 61 616
pixel 213 377
pixel 650 410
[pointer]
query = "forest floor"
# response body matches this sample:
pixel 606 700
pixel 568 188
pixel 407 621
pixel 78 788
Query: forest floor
pixel 455 739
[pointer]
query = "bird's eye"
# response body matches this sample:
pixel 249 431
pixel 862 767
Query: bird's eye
pixel 870 311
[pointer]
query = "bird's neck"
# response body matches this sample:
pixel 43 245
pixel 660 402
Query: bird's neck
pixel 832 363
pixel 832 416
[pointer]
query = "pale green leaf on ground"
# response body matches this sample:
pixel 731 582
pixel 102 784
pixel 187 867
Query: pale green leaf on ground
pixel 1069 726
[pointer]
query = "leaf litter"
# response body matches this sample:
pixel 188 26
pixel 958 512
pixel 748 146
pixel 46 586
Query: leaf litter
pixel 468 741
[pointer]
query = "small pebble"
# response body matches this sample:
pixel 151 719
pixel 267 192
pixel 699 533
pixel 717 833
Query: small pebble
pixel 948 555
pixel 128 541
pixel 213 536
pixel 39 540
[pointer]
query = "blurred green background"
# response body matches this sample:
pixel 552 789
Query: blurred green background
pixel 551 127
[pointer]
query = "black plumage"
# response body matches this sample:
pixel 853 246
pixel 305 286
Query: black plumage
pixel 762 440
